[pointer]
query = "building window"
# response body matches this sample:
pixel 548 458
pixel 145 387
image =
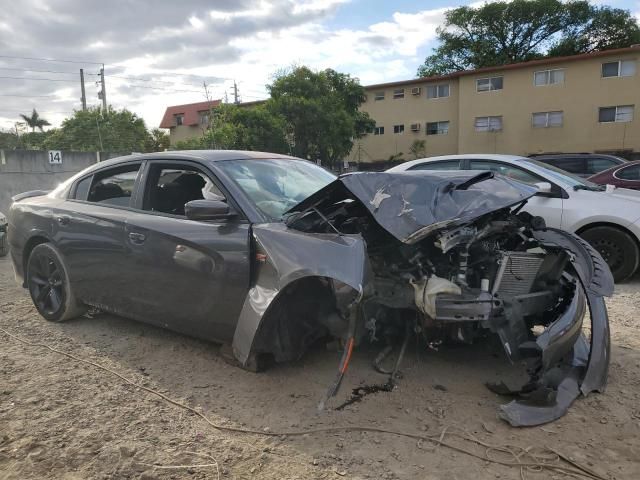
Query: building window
pixel 378 130
pixel 379 96
pixel 398 93
pixel 398 129
pixel 488 124
pixel 548 77
pixel 489 84
pixel 621 113
pixel 623 68
pixel 179 119
pixel 204 118
pixel 547 119
pixel 438 91
pixel 437 128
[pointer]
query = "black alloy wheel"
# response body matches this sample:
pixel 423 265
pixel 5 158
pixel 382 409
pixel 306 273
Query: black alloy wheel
pixel 49 286
pixel 617 248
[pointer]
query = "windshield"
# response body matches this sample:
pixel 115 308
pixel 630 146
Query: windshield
pixel 276 185
pixel 565 177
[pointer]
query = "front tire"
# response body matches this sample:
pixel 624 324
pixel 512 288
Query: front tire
pixel 618 249
pixel 49 285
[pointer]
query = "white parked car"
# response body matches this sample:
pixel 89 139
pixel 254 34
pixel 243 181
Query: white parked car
pixel 609 219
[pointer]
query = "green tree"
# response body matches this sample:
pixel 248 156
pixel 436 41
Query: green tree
pixel 35 121
pixel 10 141
pixel 97 130
pixel 27 141
pixel 157 141
pixel 499 33
pixel 241 128
pixel 606 28
pixel 320 111
pixel 418 148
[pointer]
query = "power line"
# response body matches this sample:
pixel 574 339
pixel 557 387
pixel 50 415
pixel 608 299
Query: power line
pixel 203 77
pixel 40 79
pixel 36 71
pixel 146 87
pixel 26 96
pixel 49 60
pixel 145 80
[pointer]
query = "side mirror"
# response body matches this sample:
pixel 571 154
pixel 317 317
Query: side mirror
pixel 543 187
pixel 208 210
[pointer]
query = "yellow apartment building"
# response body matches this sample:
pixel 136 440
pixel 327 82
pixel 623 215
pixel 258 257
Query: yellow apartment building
pixel 582 103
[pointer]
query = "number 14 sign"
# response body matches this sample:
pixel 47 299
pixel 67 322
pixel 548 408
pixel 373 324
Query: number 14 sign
pixel 55 157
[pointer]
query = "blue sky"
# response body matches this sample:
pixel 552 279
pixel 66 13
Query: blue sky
pixel 159 53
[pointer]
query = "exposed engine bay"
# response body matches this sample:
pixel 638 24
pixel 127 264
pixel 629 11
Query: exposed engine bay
pixel 455 259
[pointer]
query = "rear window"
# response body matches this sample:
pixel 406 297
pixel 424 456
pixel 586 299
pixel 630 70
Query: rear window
pixel 444 165
pixel 82 188
pixel 114 186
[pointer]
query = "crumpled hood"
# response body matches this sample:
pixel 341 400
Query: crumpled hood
pixel 411 205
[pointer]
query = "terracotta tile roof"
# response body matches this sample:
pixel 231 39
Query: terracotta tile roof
pixel 512 66
pixel 190 112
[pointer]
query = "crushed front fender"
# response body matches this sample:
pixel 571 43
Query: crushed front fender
pixel 290 255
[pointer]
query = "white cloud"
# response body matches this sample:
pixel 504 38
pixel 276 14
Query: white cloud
pixel 245 40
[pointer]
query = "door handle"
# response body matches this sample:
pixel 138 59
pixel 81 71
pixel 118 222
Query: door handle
pixel 137 238
pixel 63 220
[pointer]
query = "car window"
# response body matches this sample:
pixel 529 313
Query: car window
pixel 169 188
pixel 597 165
pixel 82 188
pixel 114 186
pixel 573 165
pixel 631 172
pixel 506 170
pixel 442 165
pixel 275 185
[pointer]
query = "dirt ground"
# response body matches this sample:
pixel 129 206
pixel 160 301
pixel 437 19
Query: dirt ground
pixel 60 418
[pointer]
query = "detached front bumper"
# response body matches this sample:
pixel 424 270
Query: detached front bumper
pixel 570 363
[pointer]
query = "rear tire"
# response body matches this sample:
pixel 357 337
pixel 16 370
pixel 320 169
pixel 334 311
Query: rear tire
pixel 49 286
pixel 618 249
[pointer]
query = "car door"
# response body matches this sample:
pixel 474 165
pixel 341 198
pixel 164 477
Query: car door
pixel 546 205
pixel 90 233
pixel 192 276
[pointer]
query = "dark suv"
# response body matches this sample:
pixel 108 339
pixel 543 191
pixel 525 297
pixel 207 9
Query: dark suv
pixel 582 164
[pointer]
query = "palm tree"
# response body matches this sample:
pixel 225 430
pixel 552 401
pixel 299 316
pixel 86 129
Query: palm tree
pixel 34 121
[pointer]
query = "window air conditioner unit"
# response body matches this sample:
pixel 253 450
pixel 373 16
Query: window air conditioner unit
pixel 416 91
pixel 415 127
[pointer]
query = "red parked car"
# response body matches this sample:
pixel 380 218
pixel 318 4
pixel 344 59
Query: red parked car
pixel 626 175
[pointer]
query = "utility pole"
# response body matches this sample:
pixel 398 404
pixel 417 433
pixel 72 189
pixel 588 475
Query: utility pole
pixel 236 99
pixel 83 98
pixel 103 93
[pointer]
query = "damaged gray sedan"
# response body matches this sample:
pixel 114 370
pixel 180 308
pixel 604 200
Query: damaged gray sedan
pixel 270 254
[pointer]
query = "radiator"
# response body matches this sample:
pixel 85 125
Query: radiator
pixel 517 272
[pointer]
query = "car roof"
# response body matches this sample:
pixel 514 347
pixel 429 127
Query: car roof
pixel 552 156
pixel 466 156
pixel 201 156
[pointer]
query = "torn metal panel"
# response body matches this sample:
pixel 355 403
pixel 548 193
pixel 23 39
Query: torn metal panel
pixel 291 255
